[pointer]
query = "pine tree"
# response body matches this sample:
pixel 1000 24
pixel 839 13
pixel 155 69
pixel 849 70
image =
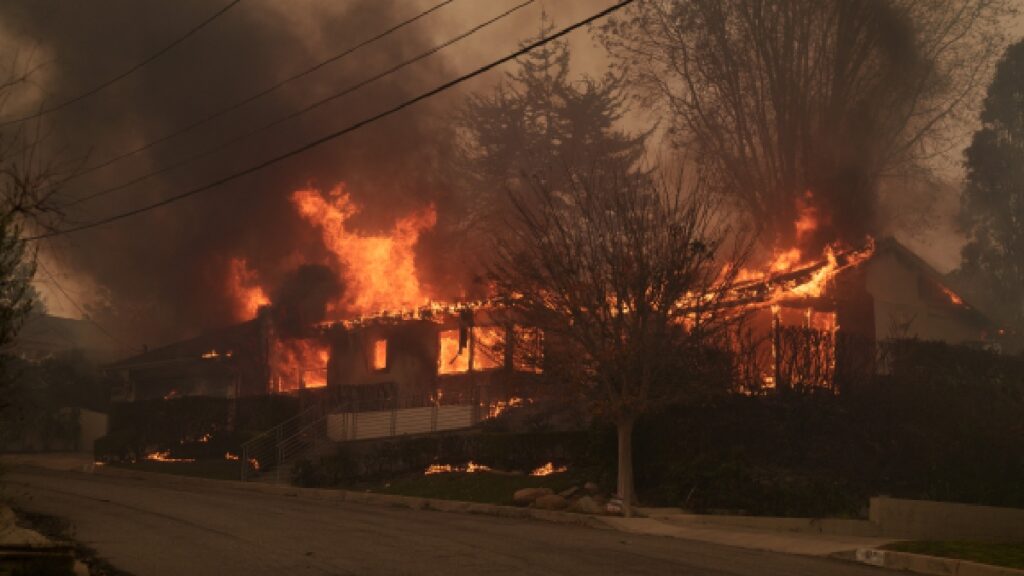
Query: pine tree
pixel 992 207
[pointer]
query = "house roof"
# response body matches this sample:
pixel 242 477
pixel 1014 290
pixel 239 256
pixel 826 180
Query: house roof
pixel 221 341
pixel 47 334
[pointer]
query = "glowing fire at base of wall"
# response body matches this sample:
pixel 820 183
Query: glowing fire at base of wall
pixel 165 456
pixel 548 469
pixel 470 467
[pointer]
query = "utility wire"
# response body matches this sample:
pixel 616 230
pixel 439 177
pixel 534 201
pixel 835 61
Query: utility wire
pixel 126 73
pixel 85 315
pixel 231 108
pixel 341 132
pixel 312 106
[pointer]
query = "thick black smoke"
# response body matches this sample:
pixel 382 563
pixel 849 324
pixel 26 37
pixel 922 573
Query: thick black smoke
pixel 166 270
pixel 302 299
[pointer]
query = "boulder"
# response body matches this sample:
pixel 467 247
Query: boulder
pixel 586 505
pixel 569 492
pixel 550 502
pixel 526 496
pixel 591 488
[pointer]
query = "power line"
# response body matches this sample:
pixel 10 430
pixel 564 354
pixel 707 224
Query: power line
pixel 308 108
pixel 231 108
pixel 336 134
pixel 85 315
pixel 126 73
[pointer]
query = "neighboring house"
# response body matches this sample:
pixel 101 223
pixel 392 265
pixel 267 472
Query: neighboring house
pixel 800 338
pixel 57 397
pixel 228 363
pixel 43 335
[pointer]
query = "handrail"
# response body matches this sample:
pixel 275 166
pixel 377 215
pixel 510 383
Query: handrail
pixel 280 425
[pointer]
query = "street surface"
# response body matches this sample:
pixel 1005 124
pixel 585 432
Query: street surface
pixel 154 528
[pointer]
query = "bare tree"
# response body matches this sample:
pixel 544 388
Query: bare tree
pixel 30 185
pixel 622 274
pixel 778 99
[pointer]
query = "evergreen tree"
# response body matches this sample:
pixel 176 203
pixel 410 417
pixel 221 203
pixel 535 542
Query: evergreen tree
pixel 539 124
pixel 992 208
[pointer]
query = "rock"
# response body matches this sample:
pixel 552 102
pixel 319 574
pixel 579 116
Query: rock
pixel 586 505
pixel 591 488
pixel 614 506
pixel 569 492
pixel 526 496
pixel 550 502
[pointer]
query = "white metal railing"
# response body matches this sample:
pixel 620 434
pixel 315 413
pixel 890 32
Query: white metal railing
pixel 273 449
pixel 347 426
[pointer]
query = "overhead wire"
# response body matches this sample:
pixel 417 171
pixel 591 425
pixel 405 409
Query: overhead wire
pixel 299 112
pixel 260 94
pixel 342 131
pixel 77 306
pixel 131 70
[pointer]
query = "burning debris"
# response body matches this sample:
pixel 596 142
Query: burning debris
pixel 470 468
pixel 548 469
pixel 165 456
pixel 496 409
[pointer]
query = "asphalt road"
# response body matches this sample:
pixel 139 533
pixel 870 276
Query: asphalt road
pixel 155 528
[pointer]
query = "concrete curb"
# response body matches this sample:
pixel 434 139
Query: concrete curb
pixel 411 502
pixel 934 565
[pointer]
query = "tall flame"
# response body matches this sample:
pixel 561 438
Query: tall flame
pixel 380 270
pixel 245 289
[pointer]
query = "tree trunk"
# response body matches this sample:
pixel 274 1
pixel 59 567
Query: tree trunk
pixel 625 488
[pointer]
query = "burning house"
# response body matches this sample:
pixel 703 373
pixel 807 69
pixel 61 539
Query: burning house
pixel 360 327
pixel 799 327
pixel 806 325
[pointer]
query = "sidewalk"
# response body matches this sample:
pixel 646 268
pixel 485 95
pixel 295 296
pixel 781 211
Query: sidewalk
pixel 768 540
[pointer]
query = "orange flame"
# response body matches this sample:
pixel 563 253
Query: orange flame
pixel 245 289
pixel 298 363
pixel 548 469
pixel 470 468
pixel 165 456
pixel 954 298
pixel 379 270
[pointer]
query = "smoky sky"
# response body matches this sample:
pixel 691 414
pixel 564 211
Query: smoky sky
pixel 163 273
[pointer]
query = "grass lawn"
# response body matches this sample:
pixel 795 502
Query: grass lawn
pixel 473 487
pixel 216 469
pixel 1008 554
